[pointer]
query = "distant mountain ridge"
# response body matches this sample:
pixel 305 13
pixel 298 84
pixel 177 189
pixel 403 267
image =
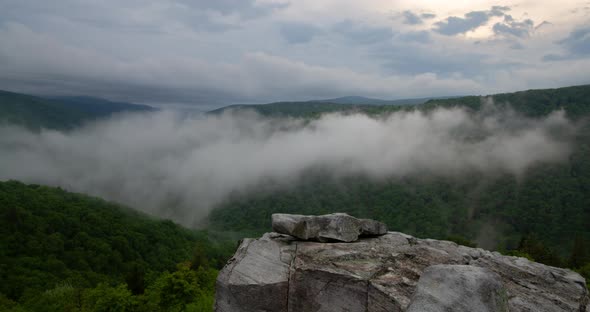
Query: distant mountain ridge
pixel 313 107
pixel 59 113
pixel 68 112
pixel 292 109
pixel 372 101
pixel 575 100
pixel 306 108
pixel 99 106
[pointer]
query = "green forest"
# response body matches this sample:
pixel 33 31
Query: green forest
pixel 62 251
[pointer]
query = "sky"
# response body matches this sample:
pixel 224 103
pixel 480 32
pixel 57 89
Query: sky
pixel 206 54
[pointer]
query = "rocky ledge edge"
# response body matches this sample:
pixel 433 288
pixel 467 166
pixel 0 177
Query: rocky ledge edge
pixel 390 272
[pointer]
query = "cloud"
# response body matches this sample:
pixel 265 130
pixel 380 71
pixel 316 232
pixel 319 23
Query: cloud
pixel 516 46
pixel 471 21
pixel 514 28
pixel 543 25
pixel 361 33
pixel 181 167
pixel 409 55
pixel 411 18
pixel 40 64
pixel 454 25
pixel 421 36
pixel 578 42
pixel 577 45
pixel 244 8
pixel 316 81
pixel 499 10
pixel 298 32
pixel 554 57
pixel 143 16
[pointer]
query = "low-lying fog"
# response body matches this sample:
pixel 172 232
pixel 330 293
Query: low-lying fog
pixel 180 167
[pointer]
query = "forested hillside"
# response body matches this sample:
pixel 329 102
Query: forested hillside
pixel 62 113
pixel 575 100
pixel 61 251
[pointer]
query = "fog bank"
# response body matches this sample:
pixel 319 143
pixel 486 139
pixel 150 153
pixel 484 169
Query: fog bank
pixel 179 167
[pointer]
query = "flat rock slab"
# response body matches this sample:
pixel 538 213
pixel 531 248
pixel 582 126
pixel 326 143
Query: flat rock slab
pixel 326 228
pixel 392 272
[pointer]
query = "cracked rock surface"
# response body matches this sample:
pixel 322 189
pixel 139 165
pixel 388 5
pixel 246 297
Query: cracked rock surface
pixel 393 272
pixel 459 288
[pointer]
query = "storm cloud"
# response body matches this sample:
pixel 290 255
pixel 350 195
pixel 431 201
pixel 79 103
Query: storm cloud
pixel 180 167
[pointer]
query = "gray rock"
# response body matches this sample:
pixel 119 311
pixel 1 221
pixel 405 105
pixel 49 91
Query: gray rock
pixel 256 278
pixel 377 274
pixel 372 227
pixel 460 288
pixel 326 228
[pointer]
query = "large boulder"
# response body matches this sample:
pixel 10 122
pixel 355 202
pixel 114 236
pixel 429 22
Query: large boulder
pixel 384 273
pixel 326 228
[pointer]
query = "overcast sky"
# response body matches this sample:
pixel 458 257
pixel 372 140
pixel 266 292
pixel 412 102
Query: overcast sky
pixel 216 52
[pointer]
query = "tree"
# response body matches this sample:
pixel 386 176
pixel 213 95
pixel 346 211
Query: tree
pixel 135 280
pixel 179 288
pixel 532 246
pixel 199 257
pixel 579 254
pixel 62 298
pixel 105 298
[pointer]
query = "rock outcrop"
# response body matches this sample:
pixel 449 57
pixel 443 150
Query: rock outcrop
pixel 326 228
pixel 392 272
